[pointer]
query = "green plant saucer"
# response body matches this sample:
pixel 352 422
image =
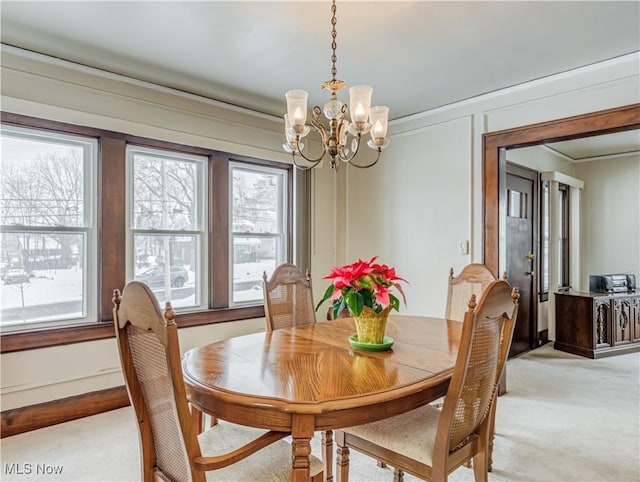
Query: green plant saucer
pixel 385 345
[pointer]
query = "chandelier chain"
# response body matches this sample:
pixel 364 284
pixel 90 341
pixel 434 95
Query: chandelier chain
pixel 341 138
pixel 334 45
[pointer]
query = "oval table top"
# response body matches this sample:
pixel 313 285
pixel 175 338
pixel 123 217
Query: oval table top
pixel 309 378
pixel 314 368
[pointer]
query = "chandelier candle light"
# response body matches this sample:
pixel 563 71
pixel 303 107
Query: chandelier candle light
pixel 341 139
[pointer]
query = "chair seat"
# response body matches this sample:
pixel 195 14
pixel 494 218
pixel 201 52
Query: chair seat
pixel 411 434
pixel 272 463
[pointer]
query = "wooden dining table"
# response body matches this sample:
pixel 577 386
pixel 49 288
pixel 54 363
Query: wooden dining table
pixel 310 379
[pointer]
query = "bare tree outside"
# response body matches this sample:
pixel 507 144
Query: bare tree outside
pixel 166 224
pixel 43 227
pixel 258 228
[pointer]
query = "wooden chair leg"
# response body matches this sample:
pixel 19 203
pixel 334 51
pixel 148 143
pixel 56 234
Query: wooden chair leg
pixel 381 464
pixel 398 475
pixel 492 433
pixel 342 459
pixel 480 473
pixel 481 458
pixel 327 455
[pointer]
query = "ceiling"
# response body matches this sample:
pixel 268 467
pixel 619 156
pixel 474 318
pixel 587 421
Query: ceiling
pixel 418 55
pixel 596 148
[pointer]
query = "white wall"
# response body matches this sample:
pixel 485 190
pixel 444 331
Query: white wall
pixel 539 159
pixel 36 376
pixel 412 209
pixel 610 216
pixel 426 195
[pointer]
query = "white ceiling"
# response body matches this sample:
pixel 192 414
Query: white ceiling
pixel 596 148
pixel 417 55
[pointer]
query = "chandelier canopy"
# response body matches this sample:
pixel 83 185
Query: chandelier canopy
pixel 341 139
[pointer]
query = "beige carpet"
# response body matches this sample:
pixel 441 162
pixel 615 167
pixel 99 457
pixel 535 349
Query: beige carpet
pixel 564 418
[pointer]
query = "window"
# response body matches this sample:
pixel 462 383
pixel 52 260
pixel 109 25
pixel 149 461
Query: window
pixel 545 226
pixel 562 223
pixel 166 206
pixel 563 241
pixel 47 229
pixel 83 210
pixel 258 227
pixel 516 204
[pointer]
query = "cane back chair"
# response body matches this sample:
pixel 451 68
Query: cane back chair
pixel 171 444
pixel 430 443
pixel 288 297
pixel 472 280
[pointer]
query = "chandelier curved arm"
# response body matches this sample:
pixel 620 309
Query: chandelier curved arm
pixel 300 166
pixel 313 161
pixel 375 161
pixel 317 125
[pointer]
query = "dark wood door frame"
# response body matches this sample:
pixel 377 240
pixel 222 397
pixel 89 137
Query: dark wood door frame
pixel 494 166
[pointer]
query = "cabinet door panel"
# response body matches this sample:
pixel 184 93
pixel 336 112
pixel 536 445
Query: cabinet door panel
pixel 603 322
pixel 635 302
pixel 623 319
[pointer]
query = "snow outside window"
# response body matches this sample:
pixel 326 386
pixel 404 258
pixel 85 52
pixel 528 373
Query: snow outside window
pixel 48 246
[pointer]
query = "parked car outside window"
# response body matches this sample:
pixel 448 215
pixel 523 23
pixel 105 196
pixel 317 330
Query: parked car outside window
pixel 154 277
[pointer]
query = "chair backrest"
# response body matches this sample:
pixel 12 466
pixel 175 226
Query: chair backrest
pixel 150 357
pixel 484 345
pixel 288 297
pixel 472 280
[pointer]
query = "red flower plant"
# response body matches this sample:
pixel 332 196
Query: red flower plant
pixel 363 283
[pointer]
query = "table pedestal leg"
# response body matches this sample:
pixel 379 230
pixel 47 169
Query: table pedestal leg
pixel 301 433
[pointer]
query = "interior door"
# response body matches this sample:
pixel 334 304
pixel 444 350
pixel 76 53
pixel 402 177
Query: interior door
pixel 520 252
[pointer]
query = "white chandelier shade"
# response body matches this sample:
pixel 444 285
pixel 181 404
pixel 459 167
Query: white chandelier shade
pixel 342 137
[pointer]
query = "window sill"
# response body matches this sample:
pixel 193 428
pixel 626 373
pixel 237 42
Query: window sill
pixel 43 338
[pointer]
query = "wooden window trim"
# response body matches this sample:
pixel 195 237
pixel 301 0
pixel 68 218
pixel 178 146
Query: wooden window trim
pixel 48 337
pixel 112 235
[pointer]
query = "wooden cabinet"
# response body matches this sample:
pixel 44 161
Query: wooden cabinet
pixel 596 325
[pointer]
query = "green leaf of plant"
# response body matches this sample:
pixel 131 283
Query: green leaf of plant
pixel 394 302
pixel 338 306
pixel 367 298
pixel 359 302
pixel 327 294
pixel 354 301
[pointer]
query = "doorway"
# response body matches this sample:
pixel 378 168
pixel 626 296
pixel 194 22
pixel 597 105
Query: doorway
pixel 520 249
pixel 494 165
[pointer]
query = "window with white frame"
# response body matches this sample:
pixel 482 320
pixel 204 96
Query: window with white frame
pixel 259 230
pixel 167 224
pixel 48 236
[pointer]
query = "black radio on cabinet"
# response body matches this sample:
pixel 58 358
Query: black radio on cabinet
pixel 612 283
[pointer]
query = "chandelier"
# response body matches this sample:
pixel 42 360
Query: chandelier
pixel 342 138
